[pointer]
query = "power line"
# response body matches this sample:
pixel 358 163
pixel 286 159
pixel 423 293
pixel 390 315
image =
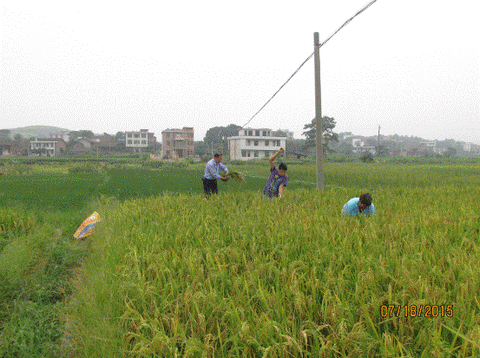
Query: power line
pixel 298 69
pixel 348 21
pixel 309 57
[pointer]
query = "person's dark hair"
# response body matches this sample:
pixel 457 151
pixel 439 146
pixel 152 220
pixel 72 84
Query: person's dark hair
pixel 216 155
pixel 282 166
pixel 366 199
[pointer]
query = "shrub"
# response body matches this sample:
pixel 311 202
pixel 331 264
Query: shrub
pixel 367 157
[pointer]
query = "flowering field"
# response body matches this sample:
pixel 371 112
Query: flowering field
pixel 169 273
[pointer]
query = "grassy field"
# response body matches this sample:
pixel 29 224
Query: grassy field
pixel 169 273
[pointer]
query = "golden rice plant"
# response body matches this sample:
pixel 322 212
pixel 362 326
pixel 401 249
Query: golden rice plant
pixel 235 175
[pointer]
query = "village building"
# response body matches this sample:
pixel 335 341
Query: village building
pixel 61 135
pixel 178 143
pixel 471 148
pixel 102 143
pixel 6 147
pixel 140 141
pixel 254 144
pixel 20 149
pixel 47 147
pixel 82 145
pixel 360 146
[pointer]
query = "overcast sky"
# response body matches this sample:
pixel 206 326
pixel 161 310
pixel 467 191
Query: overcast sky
pixel 410 66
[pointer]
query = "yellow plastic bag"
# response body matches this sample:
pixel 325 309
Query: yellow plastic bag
pixel 88 226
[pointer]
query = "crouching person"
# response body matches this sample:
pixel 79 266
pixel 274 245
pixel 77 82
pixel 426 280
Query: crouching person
pixel 359 206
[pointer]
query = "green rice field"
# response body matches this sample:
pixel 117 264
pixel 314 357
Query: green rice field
pixel 169 273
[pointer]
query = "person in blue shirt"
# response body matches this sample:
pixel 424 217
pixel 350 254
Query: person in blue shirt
pixel 359 206
pixel 211 175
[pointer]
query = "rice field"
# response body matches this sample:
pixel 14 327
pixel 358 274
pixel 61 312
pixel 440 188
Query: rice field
pixel 171 274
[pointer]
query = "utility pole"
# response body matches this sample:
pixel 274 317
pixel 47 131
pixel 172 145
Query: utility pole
pixel 318 113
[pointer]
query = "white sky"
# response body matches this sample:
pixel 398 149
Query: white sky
pixel 410 66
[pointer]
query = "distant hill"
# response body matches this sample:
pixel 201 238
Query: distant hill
pixel 35 131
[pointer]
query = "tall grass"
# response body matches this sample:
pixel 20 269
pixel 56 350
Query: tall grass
pixel 238 275
pixel 36 261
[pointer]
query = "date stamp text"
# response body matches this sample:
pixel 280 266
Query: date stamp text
pixel 427 311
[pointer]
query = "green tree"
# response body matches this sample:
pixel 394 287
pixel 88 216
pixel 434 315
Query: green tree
pixel 216 138
pixel 86 133
pixel 345 147
pixel 18 139
pixel 120 137
pixel 279 133
pixel 74 135
pixel 450 152
pixel 4 134
pixel 382 151
pixel 120 142
pixel 367 157
pixel 296 147
pixel 201 149
pixel 328 134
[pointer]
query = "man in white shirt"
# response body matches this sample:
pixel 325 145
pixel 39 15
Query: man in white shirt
pixel 211 175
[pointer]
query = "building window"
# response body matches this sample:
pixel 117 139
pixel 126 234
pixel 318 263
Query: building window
pixel 264 133
pixel 267 143
pixel 257 133
pixel 129 141
pixel 248 154
pixel 266 154
pixel 244 153
pixel 255 154
pixel 250 133
pixel 248 142
pixel 144 142
pixel 255 143
pixel 278 143
pixel 136 142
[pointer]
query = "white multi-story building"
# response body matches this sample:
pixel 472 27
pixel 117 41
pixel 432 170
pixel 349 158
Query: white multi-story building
pixel 254 144
pixel 358 142
pixel 50 147
pixel 467 147
pixel 140 140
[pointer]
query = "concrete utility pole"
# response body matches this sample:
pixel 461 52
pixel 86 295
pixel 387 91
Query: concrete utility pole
pixel 318 113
